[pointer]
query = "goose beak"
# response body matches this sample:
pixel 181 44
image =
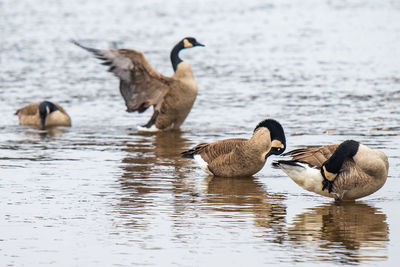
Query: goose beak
pixel 275 151
pixel 269 154
pixel 198 44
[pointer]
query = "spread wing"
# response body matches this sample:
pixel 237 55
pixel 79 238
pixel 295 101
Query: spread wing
pixel 211 151
pixel 141 85
pixel 314 156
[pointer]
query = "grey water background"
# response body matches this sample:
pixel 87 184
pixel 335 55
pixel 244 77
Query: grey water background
pixel 101 194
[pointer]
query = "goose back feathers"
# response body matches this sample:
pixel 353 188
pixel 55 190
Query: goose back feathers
pixel 142 86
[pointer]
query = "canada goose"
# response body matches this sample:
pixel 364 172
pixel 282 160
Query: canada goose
pixel 43 115
pixel 142 86
pixel 237 156
pixel 347 171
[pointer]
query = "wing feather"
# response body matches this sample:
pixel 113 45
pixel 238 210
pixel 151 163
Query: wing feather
pixel 314 156
pixel 141 85
pixel 211 151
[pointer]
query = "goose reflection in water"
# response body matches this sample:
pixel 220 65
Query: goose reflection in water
pixel 32 133
pixel 152 168
pixel 349 233
pixel 153 150
pixel 235 198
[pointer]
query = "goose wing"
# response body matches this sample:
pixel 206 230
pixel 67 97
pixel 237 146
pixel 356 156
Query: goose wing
pixel 314 156
pixel 211 151
pixel 141 85
pixel 28 110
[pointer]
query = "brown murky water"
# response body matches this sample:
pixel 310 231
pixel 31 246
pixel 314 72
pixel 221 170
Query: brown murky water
pixel 101 194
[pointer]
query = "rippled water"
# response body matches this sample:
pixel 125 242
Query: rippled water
pixel 102 194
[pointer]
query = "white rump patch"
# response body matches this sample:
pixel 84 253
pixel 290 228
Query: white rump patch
pixel 307 177
pixel 203 165
pixel 152 129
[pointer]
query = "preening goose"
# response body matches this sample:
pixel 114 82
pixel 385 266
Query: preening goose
pixel 240 157
pixel 345 172
pixel 142 86
pixel 43 115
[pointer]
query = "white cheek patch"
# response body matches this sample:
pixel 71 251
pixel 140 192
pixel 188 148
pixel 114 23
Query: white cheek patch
pixel 187 44
pixel 277 144
pixel 203 165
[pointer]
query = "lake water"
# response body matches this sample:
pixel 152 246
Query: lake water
pixel 101 194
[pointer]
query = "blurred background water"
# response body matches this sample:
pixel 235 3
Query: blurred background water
pixel 100 193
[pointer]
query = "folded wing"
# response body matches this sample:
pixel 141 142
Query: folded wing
pixel 210 152
pixel 314 156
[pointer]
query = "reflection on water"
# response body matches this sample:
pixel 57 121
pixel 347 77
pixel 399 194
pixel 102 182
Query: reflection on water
pixel 152 165
pixel 32 132
pixel 347 233
pixel 151 150
pixel 245 195
pixel 52 131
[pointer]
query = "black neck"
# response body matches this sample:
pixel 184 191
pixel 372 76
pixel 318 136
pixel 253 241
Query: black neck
pixel 45 108
pixel 175 55
pixel 345 150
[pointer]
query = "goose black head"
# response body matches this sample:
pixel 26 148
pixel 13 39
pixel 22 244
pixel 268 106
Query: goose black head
pixel 45 108
pixel 189 42
pixel 278 140
pixel 331 167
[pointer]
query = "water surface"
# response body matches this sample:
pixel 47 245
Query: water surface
pixel 101 194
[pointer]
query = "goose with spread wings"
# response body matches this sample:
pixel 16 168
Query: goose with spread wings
pixel 142 86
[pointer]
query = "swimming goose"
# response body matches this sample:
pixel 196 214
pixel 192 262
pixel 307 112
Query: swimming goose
pixel 142 86
pixel 346 171
pixel 237 156
pixel 43 115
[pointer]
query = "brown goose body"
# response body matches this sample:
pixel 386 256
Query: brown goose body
pixel 142 86
pixel 30 115
pixel 358 176
pixel 238 157
pixel 178 102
